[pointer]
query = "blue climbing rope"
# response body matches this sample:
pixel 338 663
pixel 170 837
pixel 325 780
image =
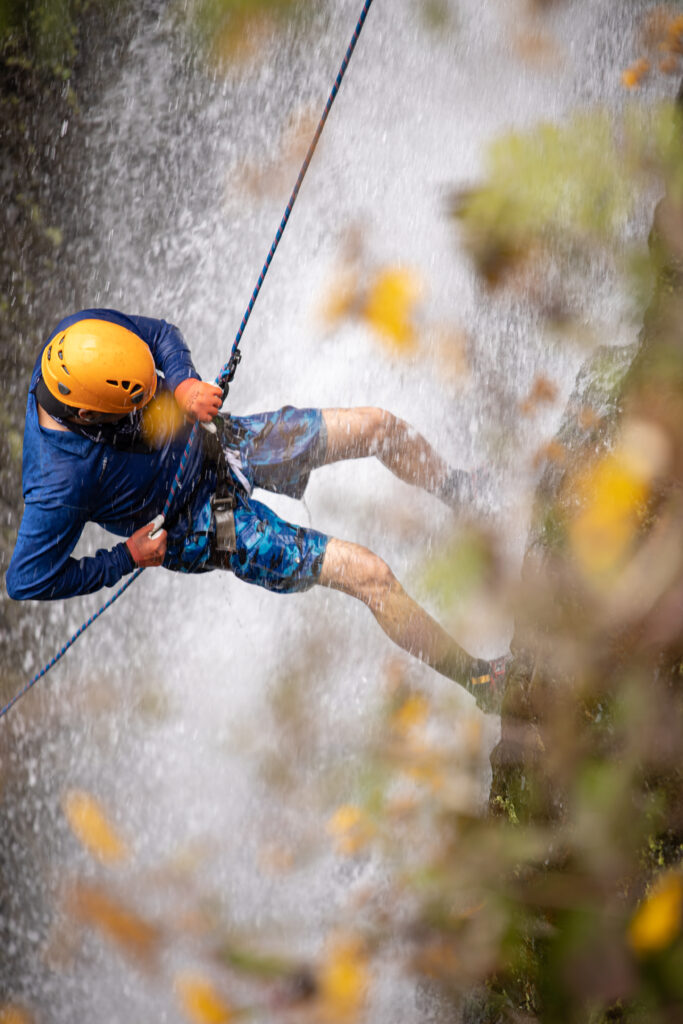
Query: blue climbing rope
pixel 227 371
pixel 60 654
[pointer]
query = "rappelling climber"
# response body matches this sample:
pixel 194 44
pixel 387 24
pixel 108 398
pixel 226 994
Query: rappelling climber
pixel 87 457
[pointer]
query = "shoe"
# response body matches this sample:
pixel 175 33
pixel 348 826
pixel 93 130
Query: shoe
pixel 488 683
pixel 456 490
pixel 481 482
pixel 499 668
pixel 463 490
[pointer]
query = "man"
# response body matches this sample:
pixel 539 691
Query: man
pixel 88 457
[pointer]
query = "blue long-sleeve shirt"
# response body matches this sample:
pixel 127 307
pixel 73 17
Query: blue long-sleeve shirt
pixel 69 480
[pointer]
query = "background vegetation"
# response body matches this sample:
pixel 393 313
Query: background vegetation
pixel 54 57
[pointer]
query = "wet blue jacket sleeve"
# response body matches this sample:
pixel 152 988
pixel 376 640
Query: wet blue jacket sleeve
pixel 168 347
pixel 166 342
pixel 42 568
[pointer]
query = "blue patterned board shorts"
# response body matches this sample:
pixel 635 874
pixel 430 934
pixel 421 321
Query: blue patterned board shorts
pixel 277 450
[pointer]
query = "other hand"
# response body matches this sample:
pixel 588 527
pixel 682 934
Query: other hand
pixel 145 551
pixel 199 399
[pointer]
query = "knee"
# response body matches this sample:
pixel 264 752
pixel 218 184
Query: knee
pixel 359 572
pixel 376 582
pixel 382 428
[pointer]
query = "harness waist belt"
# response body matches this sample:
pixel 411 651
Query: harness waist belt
pixel 224 499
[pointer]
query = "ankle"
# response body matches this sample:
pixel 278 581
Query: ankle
pixel 456 490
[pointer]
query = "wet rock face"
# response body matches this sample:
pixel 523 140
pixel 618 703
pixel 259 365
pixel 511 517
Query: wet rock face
pixel 595 687
pixel 44 102
pixel 588 428
pixel 637 379
pixel 44 133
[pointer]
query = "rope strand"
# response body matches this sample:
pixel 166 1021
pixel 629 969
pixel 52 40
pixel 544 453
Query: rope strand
pixel 227 371
pixel 81 629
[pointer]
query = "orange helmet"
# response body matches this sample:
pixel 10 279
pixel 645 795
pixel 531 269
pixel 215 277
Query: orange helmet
pixel 100 366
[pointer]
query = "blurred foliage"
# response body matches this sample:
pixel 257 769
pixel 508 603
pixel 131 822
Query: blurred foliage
pixel 201 1001
pixel 386 299
pixel 392 302
pixel 657 921
pixel 96 906
pixel 162 419
pixel 661 39
pixel 90 825
pixel 14 1015
pixel 437 14
pixel 568 192
pixel 233 31
pixel 41 35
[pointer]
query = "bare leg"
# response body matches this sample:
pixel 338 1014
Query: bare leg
pixel 357 571
pixel 359 433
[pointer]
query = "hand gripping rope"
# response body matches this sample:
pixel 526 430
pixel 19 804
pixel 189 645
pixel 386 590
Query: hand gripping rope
pixel 227 371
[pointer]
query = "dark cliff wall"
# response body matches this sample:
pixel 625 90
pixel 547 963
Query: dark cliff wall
pixel 55 59
pixel 592 717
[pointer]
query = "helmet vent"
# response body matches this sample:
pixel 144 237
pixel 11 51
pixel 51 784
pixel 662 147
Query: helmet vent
pixel 60 353
pixel 49 353
pixel 114 382
pixel 125 384
pixel 66 371
pixel 64 390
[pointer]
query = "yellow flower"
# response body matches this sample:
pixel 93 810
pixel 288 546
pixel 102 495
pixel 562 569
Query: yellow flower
pixel 91 827
pixel 200 1001
pixel 657 921
pixel 343 980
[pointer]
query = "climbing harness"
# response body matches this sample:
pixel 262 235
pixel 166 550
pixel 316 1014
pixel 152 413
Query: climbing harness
pixel 210 537
pixel 223 501
pixel 228 370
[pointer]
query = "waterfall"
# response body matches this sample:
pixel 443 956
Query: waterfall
pixel 165 709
